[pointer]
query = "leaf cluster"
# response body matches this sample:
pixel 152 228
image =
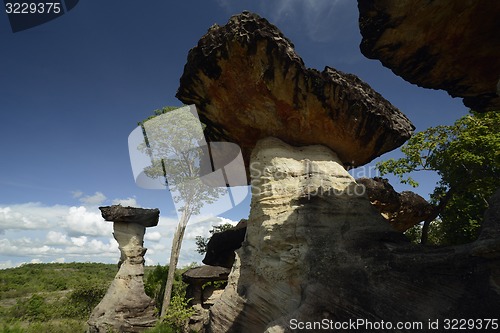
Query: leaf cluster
pixel 176 156
pixel 202 242
pixel 466 155
pixel 156 279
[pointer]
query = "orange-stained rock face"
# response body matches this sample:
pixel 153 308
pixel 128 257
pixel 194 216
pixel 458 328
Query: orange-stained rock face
pixel 248 83
pixel 448 44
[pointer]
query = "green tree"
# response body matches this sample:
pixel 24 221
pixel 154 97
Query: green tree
pixel 466 155
pixel 202 242
pixel 173 144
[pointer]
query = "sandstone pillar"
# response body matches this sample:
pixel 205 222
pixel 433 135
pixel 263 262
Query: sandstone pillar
pixel 126 307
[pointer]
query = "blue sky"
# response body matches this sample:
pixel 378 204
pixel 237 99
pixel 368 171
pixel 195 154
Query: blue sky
pixel 73 89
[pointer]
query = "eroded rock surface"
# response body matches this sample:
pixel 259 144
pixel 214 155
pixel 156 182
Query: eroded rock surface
pixel 402 210
pixel 221 246
pixel 248 83
pixel 126 307
pixel 142 216
pixel 448 44
pixel 316 249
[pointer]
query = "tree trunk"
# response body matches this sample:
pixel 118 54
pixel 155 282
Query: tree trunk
pixel 174 258
pixel 425 231
pixel 437 210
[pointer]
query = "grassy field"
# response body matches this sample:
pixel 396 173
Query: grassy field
pixel 57 298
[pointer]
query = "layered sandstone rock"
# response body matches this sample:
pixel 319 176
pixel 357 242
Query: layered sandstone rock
pixel 402 210
pixel 448 44
pixel 316 249
pixel 248 83
pixel 126 307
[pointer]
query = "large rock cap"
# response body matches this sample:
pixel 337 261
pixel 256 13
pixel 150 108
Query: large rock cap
pixel 447 44
pixel 142 216
pixel 248 83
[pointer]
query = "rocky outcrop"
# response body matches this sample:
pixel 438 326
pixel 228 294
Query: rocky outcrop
pixel 402 210
pixel 126 307
pixel 450 45
pixel 317 250
pixel 197 277
pixel 248 83
pixel 221 246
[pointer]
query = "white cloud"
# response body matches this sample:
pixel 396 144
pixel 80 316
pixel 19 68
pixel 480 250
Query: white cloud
pixel 203 228
pixel 80 246
pixel 79 241
pixel 81 221
pixel 77 194
pixel 97 199
pixel 320 20
pixel 57 238
pixel 153 236
pixel 30 216
pixel 25 247
pixel 7 264
pixel 33 232
pixel 128 202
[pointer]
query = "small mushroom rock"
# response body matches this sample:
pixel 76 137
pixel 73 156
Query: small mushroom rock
pixel 198 276
pixel 126 307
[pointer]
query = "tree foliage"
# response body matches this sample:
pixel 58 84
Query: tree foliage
pixel 202 242
pixel 176 156
pixel 466 155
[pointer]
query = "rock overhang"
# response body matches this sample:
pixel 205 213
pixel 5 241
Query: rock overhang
pixel 449 45
pixel 248 83
pixel 120 214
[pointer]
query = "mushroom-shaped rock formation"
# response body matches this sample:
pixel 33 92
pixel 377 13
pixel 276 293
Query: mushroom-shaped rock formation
pixel 316 251
pixel 126 307
pixel 248 83
pixel 402 210
pixel 198 276
pixel 448 44
pixel 142 216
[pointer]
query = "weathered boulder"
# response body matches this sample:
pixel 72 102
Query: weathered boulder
pixel 126 307
pixel 448 44
pixel 221 246
pixel 248 83
pixel 402 210
pixel 316 250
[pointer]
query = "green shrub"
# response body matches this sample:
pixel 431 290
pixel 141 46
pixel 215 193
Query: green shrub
pixel 54 326
pixel 83 300
pixel 31 309
pixel 154 284
pixel 178 312
pixel 161 328
pixel 14 328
